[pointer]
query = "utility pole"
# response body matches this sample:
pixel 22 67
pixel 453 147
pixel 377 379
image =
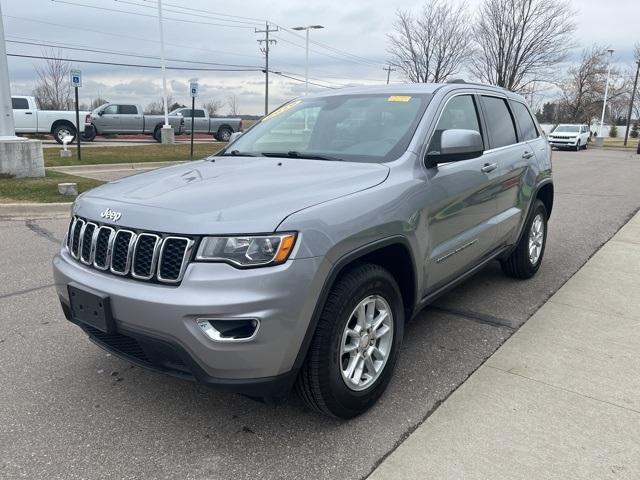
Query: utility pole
pixel 633 98
pixel 389 70
pixel 265 50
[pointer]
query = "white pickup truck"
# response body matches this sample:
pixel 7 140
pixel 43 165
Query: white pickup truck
pixel 29 118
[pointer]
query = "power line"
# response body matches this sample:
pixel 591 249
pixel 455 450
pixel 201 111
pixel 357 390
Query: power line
pixel 128 2
pixel 301 80
pixel 141 39
pixel 129 12
pixel 257 20
pixel 83 48
pixel 96 62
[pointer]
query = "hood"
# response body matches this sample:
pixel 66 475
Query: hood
pixel 228 195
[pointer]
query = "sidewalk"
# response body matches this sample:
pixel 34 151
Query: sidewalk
pixel 559 400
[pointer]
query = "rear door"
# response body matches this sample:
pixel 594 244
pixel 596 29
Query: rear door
pixel 513 154
pixel 130 118
pixel 25 118
pixel 460 200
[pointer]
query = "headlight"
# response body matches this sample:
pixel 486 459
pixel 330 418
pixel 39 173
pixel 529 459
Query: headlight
pixel 247 251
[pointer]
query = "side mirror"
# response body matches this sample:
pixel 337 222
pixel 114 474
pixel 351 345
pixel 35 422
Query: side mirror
pixel 100 113
pixel 456 145
pixel 234 136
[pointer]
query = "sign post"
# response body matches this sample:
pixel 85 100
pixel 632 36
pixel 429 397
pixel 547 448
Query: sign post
pixel 76 82
pixel 193 89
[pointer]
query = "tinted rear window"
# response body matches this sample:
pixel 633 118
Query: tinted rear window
pixel 128 110
pixel 527 125
pixel 19 104
pixel 500 125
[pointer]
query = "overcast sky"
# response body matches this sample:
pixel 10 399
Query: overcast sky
pixel 355 33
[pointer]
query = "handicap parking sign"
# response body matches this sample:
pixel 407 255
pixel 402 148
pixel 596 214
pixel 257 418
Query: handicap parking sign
pixel 193 88
pixel 76 78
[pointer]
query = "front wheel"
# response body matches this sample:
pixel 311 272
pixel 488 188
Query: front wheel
pixel 89 134
pixel 356 343
pixel 157 134
pixel 525 260
pixel 63 131
pixel 578 146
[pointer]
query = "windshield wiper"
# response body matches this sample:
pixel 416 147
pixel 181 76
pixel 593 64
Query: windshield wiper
pixel 310 156
pixel 238 153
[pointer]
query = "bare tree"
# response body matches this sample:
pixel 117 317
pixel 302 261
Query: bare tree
pixel 432 45
pixel 232 103
pixel 583 89
pixel 157 106
pixel 96 102
pixel 213 107
pixel 53 87
pixel 521 41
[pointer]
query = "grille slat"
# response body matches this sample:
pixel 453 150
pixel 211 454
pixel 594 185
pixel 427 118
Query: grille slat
pixel 139 255
pixel 87 243
pixel 145 256
pixel 102 257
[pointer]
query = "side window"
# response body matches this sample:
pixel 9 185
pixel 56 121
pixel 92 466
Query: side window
pixel 186 112
pixel 460 113
pixel 19 103
pixel 527 125
pixel 110 110
pixel 128 110
pixel 199 113
pixel 502 130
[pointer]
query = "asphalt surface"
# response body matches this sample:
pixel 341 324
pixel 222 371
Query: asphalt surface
pixel 69 410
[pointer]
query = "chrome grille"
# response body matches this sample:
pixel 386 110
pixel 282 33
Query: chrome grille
pixel 137 254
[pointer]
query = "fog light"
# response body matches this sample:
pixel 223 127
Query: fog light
pixel 229 329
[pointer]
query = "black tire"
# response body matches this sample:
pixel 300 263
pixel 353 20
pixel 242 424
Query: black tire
pixel 578 146
pixel 224 134
pixel 89 134
pixel 519 263
pixel 320 383
pixel 157 134
pixel 63 129
pixel 585 146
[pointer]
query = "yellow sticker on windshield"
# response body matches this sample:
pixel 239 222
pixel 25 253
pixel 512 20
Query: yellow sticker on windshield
pixel 282 109
pixel 399 98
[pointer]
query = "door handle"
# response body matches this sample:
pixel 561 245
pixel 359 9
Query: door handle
pixel 28 113
pixel 527 155
pixel 489 167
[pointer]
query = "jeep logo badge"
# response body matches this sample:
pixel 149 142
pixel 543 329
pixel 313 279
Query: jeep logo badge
pixel 112 215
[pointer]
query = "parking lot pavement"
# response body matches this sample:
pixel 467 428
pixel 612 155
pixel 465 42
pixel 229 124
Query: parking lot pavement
pixel 69 410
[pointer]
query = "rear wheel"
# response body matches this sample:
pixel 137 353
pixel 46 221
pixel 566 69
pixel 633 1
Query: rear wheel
pixel 355 346
pixel 525 260
pixel 62 131
pixel 224 134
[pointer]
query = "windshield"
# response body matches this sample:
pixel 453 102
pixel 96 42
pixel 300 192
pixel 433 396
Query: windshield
pixel 567 128
pixel 358 128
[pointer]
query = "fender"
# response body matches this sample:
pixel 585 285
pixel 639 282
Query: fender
pixel 546 181
pixel 333 274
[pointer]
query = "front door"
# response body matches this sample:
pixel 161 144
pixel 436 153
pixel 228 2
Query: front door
pixel 25 119
pixel 460 204
pixel 109 120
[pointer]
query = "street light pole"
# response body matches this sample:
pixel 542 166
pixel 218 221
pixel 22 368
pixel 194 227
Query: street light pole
pixel 162 66
pixel 606 92
pixel 306 67
pixel 7 127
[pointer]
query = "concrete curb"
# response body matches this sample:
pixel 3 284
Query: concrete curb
pixel 20 211
pixel 108 167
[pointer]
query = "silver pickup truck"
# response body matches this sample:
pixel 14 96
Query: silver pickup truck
pixel 220 128
pixel 126 118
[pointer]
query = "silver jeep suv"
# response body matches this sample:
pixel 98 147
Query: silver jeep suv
pixel 294 257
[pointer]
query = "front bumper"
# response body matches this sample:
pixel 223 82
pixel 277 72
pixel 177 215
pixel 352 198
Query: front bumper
pixel 560 143
pixel 156 324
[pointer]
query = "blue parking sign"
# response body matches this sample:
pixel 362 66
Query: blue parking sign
pixel 76 78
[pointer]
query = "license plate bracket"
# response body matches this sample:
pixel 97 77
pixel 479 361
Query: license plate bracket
pixel 91 308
